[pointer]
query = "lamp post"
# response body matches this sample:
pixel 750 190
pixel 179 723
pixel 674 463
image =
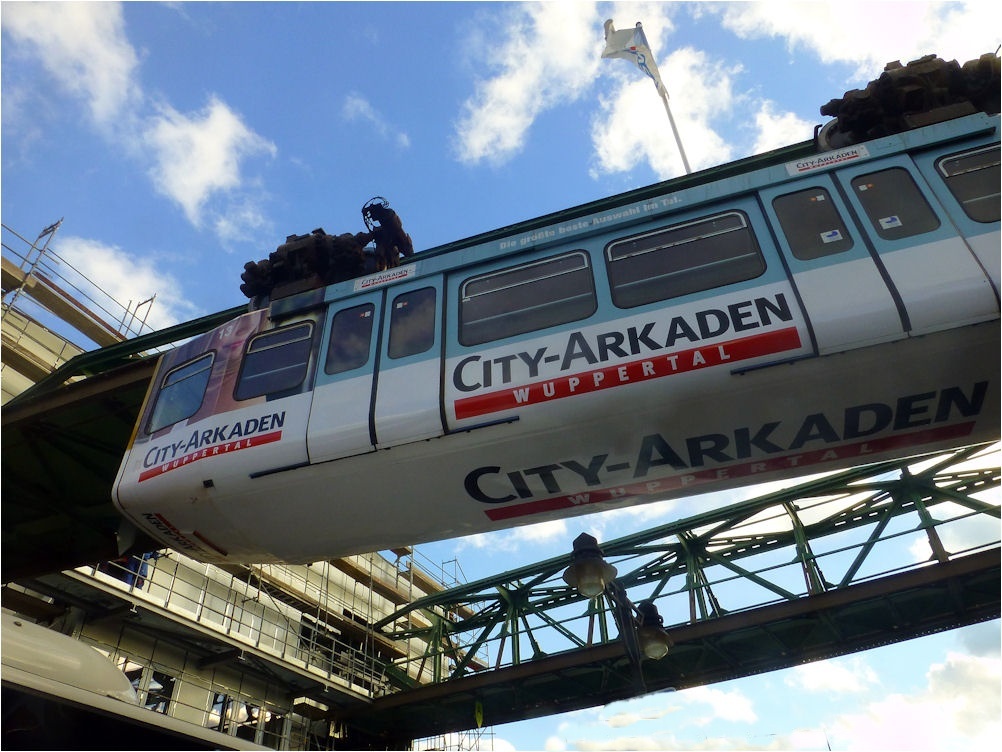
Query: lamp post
pixel 588 573
pixel 640 627
pixel 654 640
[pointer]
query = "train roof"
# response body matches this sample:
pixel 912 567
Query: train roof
pixel 672 185
pixel 760 169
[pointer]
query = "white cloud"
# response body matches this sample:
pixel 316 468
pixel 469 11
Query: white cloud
pixel 628 718
pixel 623 743
pixel 960 708
pixel 983 639
pixel 547 55
pixel 633 127
pixel 516 538
pixel 833 676
pixel 801 740
pixel 696 706
pixel 356 107
pixel 111 271
pixel 543 531
pixel 778 129
pixel 199 156
pixel 727 705
pixel 869 34
pixel 241 219
pixel 84 48
pixel 524 79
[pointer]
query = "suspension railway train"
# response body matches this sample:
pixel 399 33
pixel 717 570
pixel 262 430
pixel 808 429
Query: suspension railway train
pixel 790 313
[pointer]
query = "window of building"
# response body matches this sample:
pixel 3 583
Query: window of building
pixel 973 179
pixel 351 336
pixel 683 259
pixel 154 688
pixel 181 393
pixel 276 361
pixel 224 712
pixel 251 719
pixel 811 224
pixel 132 670
pixel 274 729
pixel 895 205
pixel 160 692
pixel 526 298
pixel 412 323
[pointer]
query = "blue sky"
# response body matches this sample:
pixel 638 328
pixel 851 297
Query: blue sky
pixel 180 140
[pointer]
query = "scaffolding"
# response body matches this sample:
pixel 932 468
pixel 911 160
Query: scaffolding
pixel 264 653
pixel 52 311
pixel 260 653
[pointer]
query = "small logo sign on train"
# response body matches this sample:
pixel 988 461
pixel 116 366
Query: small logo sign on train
pixel 827 159
pixel 384 278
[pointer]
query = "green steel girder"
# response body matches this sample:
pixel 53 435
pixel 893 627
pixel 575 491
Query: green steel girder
pixel 718 551
pixel 861 616
pixel 581 655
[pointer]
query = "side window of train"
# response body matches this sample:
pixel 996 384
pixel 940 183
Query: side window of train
pixel 973 179
pixel 682 259
pixel 181 393
pixel 895 205
pixel 275 361
pixel 351 335
pixel 412 323
pixel 811 224
pixel 525 298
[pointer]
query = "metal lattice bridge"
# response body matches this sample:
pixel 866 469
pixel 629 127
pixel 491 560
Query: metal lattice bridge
pixel 848 562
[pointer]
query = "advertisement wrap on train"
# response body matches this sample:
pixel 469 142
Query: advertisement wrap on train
pixel 829 304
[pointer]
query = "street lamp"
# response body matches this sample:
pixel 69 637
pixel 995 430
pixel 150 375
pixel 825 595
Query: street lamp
pixel 654 641
pixel 588 573
pixel 640 626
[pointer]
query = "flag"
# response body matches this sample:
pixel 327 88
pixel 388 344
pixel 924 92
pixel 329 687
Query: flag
pixel 631 44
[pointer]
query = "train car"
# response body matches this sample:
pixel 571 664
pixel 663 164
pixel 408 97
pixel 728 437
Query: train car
pixel 791 313
pixel 60 693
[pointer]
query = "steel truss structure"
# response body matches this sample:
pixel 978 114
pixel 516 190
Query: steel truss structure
pixel 841 563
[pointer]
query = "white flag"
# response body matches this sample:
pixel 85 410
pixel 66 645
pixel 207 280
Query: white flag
pixel 631 44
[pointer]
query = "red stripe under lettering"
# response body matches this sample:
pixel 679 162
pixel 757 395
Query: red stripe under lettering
pixel 695 478
pixel 635 371
pixel 210 451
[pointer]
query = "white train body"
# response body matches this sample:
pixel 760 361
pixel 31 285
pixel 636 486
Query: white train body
pixel 788 319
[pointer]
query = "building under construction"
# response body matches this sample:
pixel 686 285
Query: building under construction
pixel 218 657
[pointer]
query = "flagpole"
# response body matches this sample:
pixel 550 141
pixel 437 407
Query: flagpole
pixel 681 151
pixel 631 44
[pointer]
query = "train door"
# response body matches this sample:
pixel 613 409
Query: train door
pixel 846 297
pixel 967 184
pixel 340 417
pixel 407 404
pixel 937 279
